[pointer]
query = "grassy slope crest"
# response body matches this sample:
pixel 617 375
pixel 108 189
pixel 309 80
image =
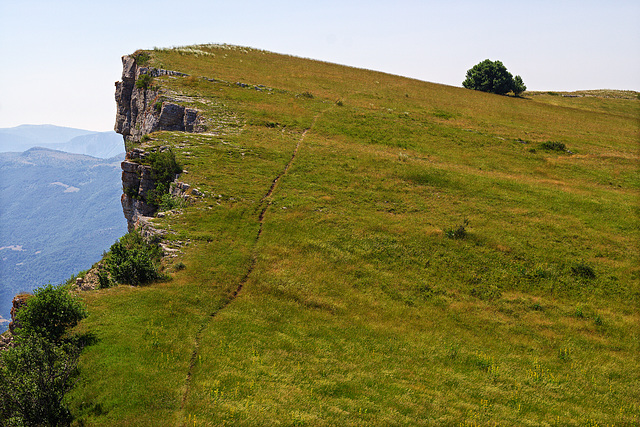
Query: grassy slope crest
pixel 377 250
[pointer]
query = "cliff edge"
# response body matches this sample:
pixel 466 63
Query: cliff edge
pixel 141 110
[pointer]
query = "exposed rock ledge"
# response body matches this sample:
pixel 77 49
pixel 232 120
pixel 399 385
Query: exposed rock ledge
pixel 140 110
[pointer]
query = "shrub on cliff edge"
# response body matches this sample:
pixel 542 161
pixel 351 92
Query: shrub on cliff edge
pixel 50 312
pixel 144 81
pixel 164 169
pixel 131 260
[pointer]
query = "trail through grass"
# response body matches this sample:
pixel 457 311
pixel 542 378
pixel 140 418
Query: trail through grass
pixel 329 196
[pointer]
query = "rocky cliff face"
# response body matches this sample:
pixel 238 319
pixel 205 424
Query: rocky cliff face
pixel 141 109
pixel 136 182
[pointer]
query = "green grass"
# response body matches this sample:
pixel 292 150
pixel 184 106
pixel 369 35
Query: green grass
pixel 358 310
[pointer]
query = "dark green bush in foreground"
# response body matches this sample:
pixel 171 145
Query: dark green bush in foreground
pixel 34 377
pixel 36 373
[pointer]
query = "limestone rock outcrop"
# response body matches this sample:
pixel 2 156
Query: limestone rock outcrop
pixel 141 109
pixel 136 182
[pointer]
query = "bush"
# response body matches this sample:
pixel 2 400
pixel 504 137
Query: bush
pixel 169 202
pixel 144 81
pixel 583 270
pixel 50 311
pixel 518 86
pixel 164 168
pixel 553 146
pixel 34 377
pixel 133 261
pixel 142 58
pixel 459 232
pixel 104 279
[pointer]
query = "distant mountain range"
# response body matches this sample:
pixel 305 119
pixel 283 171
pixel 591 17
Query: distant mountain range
pixel 78 141
pixel 58 210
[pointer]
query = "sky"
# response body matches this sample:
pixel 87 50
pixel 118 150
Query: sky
pixel 60 59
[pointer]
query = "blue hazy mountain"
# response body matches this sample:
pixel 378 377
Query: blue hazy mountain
pixel 58 213
pixel 79 141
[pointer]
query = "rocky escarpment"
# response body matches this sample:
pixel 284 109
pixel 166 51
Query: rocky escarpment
pixel 136 183
pixel 142 109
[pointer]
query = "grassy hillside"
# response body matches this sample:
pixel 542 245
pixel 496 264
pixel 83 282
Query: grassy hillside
pixel 376 250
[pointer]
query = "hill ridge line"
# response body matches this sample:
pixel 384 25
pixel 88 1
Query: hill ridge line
pixel 252 264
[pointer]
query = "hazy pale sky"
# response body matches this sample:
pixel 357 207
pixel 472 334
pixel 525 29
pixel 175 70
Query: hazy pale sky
pixel 59 59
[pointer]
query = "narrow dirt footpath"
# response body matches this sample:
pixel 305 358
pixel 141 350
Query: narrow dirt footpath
pixel 265 202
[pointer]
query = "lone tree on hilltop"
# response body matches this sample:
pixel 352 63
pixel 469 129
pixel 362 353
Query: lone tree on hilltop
pixel 493 77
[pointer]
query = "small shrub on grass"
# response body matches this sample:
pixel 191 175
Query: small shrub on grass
pixel 104 279
pixel 583 270
pixel 553 146
pixel 164 166
pixel 460 232
pixel 169 202
pixel 306 94
pixel 133 261
pixel 50 311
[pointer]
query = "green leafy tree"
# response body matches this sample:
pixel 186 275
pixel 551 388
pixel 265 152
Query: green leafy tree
pixel 34 377
pixel 50 311
pixel 493 77
pixel 38 370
